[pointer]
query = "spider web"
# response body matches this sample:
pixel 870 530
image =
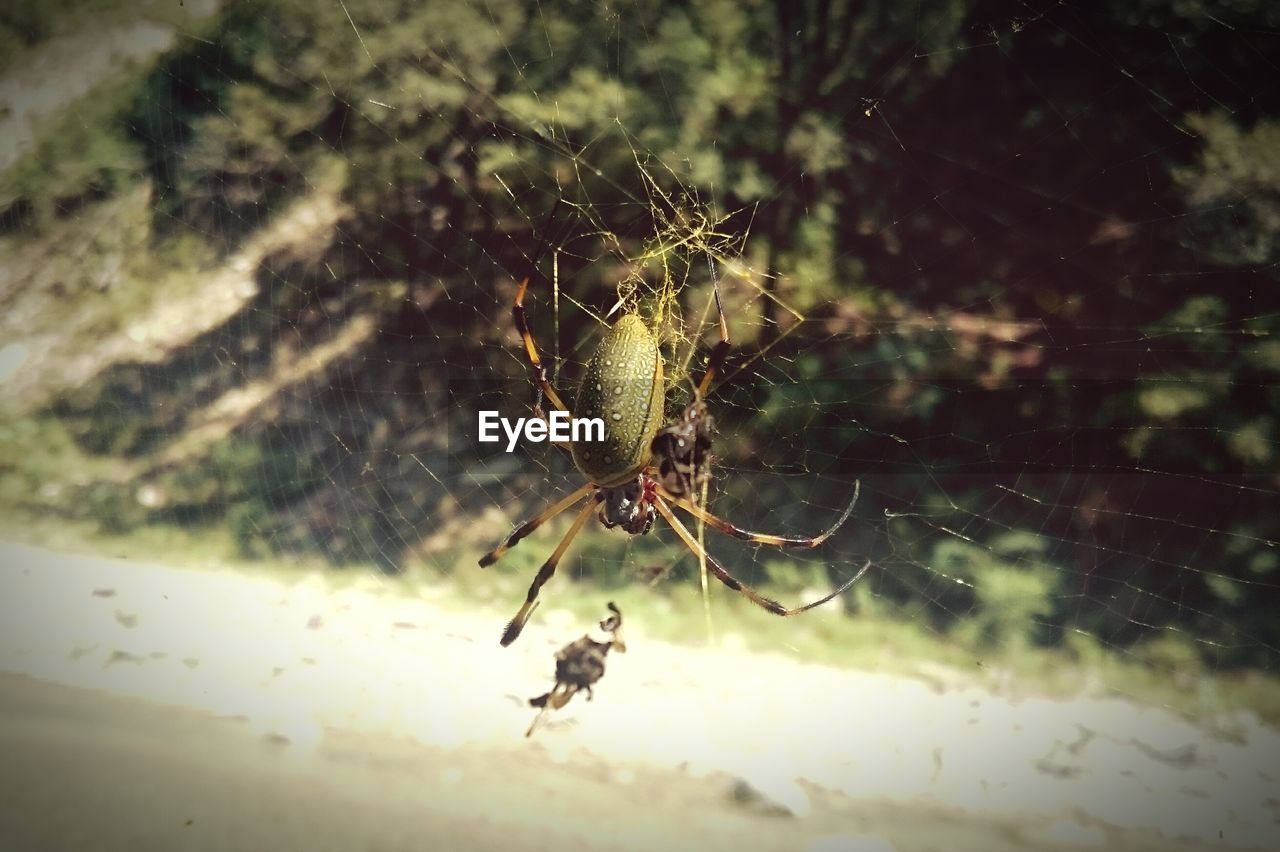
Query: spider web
pixel 1005 265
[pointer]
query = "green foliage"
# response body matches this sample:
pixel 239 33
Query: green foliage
pixel 1235 187
pixel 789 575
pixel 1168 401
pixel 1253 443
pixel 250 481
pixel 11 44
pixel 84 155
pixel 108 423
pixel 1265 355
pixel 1014 592
pixel 26 475
pixel 1225 589
pixel 859 145
pixel 44 475
pixel 1170 651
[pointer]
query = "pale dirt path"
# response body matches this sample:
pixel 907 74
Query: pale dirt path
pixel 94 771
pixel 372 689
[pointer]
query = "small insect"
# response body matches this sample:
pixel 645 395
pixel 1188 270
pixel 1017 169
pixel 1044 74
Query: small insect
pixel 579 666
pixel 682 450
pixel 642 468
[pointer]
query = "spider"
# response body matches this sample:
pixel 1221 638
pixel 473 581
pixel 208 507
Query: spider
pixel 642 468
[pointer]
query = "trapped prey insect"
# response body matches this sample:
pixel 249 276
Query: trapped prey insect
pixel 579 666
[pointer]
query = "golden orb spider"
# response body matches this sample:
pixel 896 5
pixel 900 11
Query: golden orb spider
pixel 640 470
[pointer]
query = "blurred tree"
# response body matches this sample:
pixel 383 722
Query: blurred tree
pixel 1035 242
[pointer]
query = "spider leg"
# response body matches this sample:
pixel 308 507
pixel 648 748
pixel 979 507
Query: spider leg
pixel 531 348
pixel 532 524
pixel 760 538
pixel 539 413
pixel 737 585
pixel 515 625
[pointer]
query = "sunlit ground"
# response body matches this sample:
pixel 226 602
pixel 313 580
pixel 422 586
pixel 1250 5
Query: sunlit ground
pixel 303 663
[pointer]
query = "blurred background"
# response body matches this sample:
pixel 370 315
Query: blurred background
pixel 1011 266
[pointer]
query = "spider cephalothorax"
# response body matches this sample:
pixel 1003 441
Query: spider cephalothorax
pixel 641 468
pixel 630 506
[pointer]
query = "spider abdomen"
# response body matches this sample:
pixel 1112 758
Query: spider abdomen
pixel 623 387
